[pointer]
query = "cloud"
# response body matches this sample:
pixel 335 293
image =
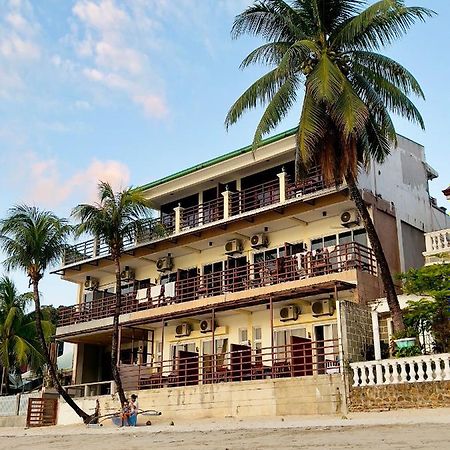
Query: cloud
pixel 107 38
pixel 48 187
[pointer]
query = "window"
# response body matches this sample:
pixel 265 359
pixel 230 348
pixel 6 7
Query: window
pixel 243 336
pixel 127 288
pixel 282 340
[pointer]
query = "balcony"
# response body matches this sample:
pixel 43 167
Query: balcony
pixel 229 205
pixel 301 266
pixel 437 246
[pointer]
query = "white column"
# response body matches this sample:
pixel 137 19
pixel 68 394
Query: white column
pixel 178 218
pixel 377 346
pixel 226 204
pixel 282 181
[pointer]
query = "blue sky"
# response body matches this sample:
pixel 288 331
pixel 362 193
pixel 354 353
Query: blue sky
pixel 131 91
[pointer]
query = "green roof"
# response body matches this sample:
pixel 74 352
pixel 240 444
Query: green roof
pixel 218 159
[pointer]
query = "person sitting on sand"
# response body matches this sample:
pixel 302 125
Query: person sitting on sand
pixel 125 414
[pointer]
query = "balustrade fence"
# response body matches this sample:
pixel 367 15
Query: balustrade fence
pixel 417 369
pixel 250 276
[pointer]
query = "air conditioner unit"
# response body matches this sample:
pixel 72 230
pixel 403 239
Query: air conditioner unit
pixel 164 264
pixel 127 273
pixel 349 218
pixel 233 246
pixel 183 329
pixel 259 240
pixel 290 312
pixel 90 283
pixel 206 326
pixel 322 308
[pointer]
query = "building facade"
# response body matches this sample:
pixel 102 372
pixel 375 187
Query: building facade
pixel 246 279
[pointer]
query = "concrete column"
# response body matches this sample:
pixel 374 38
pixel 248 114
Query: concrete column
pixel 226 204
pixel 282 181
pixel 377 346
pixel 95 247
pixel 178 218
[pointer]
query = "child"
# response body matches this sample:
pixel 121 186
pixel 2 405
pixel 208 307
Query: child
pixel 134 409
pixel 126 411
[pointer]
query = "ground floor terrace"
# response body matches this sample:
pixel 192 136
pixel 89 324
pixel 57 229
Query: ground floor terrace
pixel 269 338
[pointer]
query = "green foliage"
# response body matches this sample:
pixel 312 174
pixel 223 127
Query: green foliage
pixel 408 332
pixel 115 218
pixel 330 47
pixel 432 314
pixel 407 351
pixel 19 344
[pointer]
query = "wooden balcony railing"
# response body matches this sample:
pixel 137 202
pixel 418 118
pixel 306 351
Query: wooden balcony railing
pixel 240 202
pixel 290 268
pixel 301 357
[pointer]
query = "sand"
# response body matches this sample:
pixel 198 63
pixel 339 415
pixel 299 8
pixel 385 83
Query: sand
pixel 407 429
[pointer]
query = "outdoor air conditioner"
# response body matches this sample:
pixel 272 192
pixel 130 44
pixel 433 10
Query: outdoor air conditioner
pixel 183 329
pixel 322 308
pixel 233 246
pixel 90 283
pixel 290 312
pixel 349 218
pixel 259 240
pixel 207 325
pixel 127 273
pixel 164 264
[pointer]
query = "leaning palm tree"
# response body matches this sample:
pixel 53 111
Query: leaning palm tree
pixel 114 219
pixel 329 49
pixel 19 343
pixel 33 240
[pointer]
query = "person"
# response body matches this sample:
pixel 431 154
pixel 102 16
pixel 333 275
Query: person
pixel 125 414
pixel 134 409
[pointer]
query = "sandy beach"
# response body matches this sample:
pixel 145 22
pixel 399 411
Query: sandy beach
pixel 407 429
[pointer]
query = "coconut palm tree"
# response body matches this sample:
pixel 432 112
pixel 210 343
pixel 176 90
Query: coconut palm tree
pixel 114 219
pixel 329 50
pixel 33 240
pixel 19 343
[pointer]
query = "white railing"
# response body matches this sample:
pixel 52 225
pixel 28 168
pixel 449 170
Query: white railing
pixel 437 241
pixel 416 369
pixel 91 389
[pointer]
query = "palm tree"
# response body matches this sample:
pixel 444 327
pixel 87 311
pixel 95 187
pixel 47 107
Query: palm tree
pixel 115 218
pixel 33 240
pixel 19 343
pixel 329 49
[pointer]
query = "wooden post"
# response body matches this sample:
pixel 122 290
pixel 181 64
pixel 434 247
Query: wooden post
pixel 271 330
pixel 213 318
pixel 119 344
pixel 162 345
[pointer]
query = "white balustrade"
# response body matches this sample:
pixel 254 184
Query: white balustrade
pixel 437 241
pixel 415 369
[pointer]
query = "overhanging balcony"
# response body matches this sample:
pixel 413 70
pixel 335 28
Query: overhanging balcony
pixel 302 266
pixel 230 205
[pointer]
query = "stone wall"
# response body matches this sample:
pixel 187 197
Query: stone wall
pixel 320 394
pixel 356 330
pixel 398 396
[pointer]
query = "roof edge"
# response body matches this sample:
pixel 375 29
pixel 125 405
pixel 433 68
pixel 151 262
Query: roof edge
pixel 218 159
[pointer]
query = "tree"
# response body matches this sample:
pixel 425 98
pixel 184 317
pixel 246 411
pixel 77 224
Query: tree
pixel 431 314
pixel 19 343
pixel 329 48
pixel 33 240
pixel 115 218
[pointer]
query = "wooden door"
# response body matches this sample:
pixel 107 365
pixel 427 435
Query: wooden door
pixel 301 356
pixel 241 362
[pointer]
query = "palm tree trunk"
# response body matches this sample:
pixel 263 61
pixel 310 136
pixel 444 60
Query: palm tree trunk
pixel 51 368
pixel 386 277
pixel 115 334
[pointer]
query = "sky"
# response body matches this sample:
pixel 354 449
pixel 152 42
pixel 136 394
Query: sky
pixel 130 91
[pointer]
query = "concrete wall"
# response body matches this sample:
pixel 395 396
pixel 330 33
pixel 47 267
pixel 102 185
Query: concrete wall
pixel 319 394
pixel 413 246
pixel 356 330
pixel 398 396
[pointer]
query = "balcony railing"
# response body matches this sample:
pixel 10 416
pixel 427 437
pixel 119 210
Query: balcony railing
pixel 250 199
pixel 437 242
pixel 301 357
pixel 250 276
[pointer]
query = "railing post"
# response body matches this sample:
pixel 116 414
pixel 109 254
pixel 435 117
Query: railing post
pixel 446 367
pixel 226 203
pixel 178 218
pixel 282 183
pixel 86 391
